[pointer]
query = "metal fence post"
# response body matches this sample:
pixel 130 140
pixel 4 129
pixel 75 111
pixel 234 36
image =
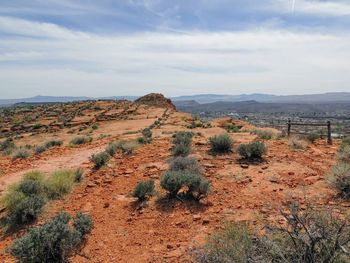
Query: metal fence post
pixel 289 127
pixel 329 130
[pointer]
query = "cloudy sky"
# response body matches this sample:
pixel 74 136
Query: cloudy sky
pixel 132 47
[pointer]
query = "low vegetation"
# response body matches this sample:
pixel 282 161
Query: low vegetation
pixel 193 185
pixel 309 236
pixel 233 128
pixel 182 143
pixel 144 190
pixel 100 159
pixel 49 144
pixel 20 153
pixel 297 143
pixel 25 200
pixel 252 151
pixel 78 140
pixel 263 134
pixel 127 147
pixel 339 178
pixel 54 241
pixel 146 136
pixel 185 164
pixel 312 137
pixel 344 153
pixel 221 144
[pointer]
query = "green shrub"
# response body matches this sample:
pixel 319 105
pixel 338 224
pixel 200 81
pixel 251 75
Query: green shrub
pixel 196 185
pixel 221 144
pixel 141 140
pixel 344 153
pixel 78 175
pixel 183 138
pixel 181 150
pixel 346 141
pixel 339 178
pixel 172 182
pixel 308 236
pixel 263 134
pixel 144 190
pixel 37 126
pixel 94 126
pixel 27 209
pixel 112 148
pixel 100 159
pixel 59 183
pixel 251 151
pixel 7 145
pixel 54 241
pixel 20 153
pixel 127 147
pixel 40 149
pixel 83 224
pixel 312 137
pixel 185 164
pixel 53 143
pixel 80 140
pixel 233 128
pixel 147 134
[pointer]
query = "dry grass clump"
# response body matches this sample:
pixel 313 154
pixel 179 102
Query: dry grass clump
pixel 297 143
pixel 339 178
pixel 78 140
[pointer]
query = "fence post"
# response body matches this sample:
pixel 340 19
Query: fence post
pixel 329 129
pixel 289 127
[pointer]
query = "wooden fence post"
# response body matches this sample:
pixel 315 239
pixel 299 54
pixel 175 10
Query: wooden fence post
pixel 329 130
pixel 289 127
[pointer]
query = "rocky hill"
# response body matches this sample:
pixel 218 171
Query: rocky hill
pixel 157 100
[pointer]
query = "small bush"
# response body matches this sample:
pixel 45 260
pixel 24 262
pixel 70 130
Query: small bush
pixel 100 159
pixel 59 183
pixel 297 143
pixel 339 178
pixel 346 141
pixel 221 144
pixel 83 224
pixel 263 134
pixel 53 143
pixel 172 182
pixel 233 128
pixel 147 134
pixel 54 241
pixel 21 153
pixel 308 236
pixel 7 145
pixel 181 150
pixel 344 153
pixel 112 148
pixel 40 149
pixel 312 137
pixel 37 126
pixel 80 140
pixel 94 126
pixel 27 210
pixel 196 185
pixel 78 175
pixel 127 147
pixel 252 151
pixel 185 164
pixel 141 140
pixel 144 190
pixel 183 137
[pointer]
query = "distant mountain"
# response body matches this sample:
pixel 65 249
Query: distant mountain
pixel 313 98
pixel 185 103
pixel 334 97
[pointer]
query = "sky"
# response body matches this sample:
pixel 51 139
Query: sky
pixel 133 47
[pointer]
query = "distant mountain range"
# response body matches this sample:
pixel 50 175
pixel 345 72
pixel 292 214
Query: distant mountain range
pixel 334 97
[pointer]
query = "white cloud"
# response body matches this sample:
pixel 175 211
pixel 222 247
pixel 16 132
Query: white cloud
pixel 52 60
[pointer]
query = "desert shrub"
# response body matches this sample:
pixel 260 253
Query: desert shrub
pixel 112 148
pixel 297 143
pixel 20 153
pixel 141 140
pixel 346 141
pixel 263 134
pixel 100 159
pixel 172 181
pixel 7 145
pixel 53 143
pixel 78 175
pixel 94 126
pixel 83 224
pixel 344 154
pixel 80 140
pixel 221 144
pixel 144 190
pixel 183 137
pixel 185 164
pixel 197 186
pixel 147 133
pixel 127 147
pixel 54 241
pixel 181 149
pixel 312 137
pixel 37 126
pixel 251 151
pixel 339 178
pixel 59 183
pixel 309 236
pixel 233 128
pixel 27 209
pixel 40 149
